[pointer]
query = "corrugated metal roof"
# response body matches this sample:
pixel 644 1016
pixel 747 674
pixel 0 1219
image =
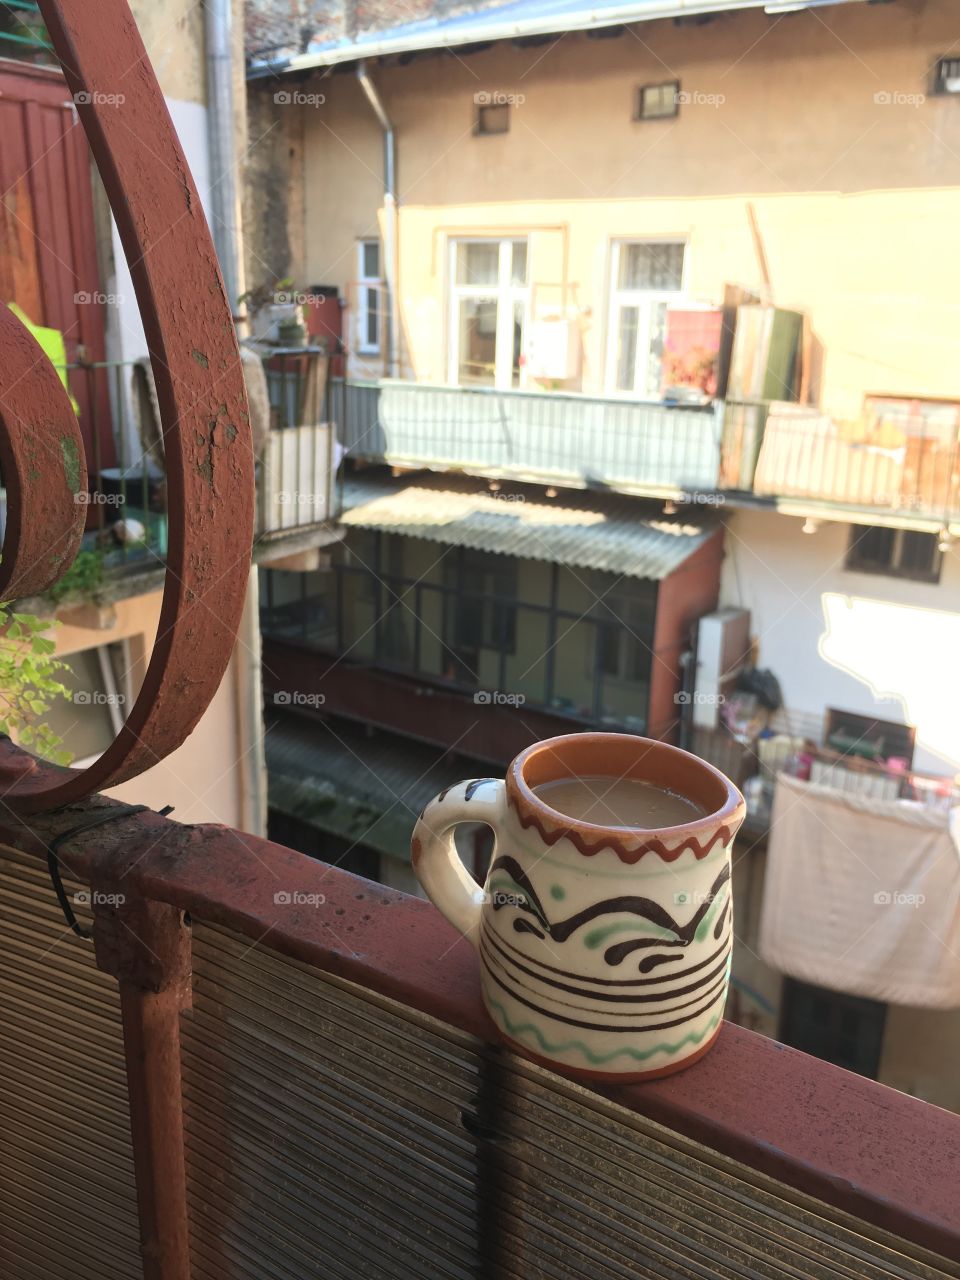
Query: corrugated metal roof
pixel 589 531
pixel 367 788
pixel 517 20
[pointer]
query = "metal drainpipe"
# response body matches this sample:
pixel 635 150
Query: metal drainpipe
pixel 389 217
pixel 224 205
pixel 225 212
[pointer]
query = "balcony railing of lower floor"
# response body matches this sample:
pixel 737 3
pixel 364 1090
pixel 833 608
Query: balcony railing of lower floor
pixel 808 760
pixel 260 1066
pixel 298 495
pixel 551 437
pixel 785 456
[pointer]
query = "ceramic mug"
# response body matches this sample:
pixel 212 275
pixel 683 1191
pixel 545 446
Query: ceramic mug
pixel 604 951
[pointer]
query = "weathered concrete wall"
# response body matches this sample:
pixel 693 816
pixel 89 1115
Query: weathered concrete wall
pixel 173 34
pixel 273 190
pixel 276 27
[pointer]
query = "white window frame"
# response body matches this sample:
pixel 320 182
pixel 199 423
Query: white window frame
pixel 644 300
pixel 367 285
pixel 506 295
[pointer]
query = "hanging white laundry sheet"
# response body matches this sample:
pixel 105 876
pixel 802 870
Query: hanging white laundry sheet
pixel 862 895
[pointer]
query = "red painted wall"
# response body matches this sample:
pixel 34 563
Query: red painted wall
pixel 48 251
pixel 441 717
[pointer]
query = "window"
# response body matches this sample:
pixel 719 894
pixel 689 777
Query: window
pixel 948 75
pixel 625 621
pixel 483 600
pixel 842 1029
pixel 396 621
pixel 898 553
pixel 490 300
pixel 645 276
pixel 493 119
pixel 99 693
pixel 657 101
pixel 853 734
pixel 578 642
pixel 368 297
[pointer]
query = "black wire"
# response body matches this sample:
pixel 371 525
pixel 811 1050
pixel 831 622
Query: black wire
pixel 53 856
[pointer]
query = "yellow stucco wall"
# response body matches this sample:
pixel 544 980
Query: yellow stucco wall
pixel 857 200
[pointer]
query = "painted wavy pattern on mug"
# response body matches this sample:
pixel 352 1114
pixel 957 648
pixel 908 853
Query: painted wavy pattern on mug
pixel 545 970
pixel 518 966
pixel 530 1032
pixel 704 1001
pixel 659 928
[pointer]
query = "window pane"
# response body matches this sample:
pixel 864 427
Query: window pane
pixel 609 644
pixel 575 678
pixel 517 344
pixel 658 100
pixel 624 703
pixel 872 545
pixel 373 319
pixel 478 262
pixel 918 552
pixel 301 607
pixel 396 626
pixel 525 670
pixel 654 354
pixel 629 322
pixel 518 271
pixel 371 260
pixel 651 266
pixel 82 719
pixel 478 341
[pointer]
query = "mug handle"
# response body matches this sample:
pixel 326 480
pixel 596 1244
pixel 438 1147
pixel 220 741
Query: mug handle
pixel 446 881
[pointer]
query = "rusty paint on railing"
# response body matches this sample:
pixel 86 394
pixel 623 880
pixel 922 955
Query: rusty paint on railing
pixel 200 387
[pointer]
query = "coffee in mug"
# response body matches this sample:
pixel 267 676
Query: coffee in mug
pixel 617 802
pixel 605 925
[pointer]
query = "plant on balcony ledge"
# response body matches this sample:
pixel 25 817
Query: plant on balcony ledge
pixel 81 581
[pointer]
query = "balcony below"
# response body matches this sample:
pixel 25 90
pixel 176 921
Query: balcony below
pixel 126 536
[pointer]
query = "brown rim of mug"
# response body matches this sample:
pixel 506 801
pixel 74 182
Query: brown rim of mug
pixel 625 755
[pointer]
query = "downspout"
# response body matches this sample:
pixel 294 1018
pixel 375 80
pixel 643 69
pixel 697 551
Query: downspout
pixel 224 204
pixel 389 217
pixel 251 771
